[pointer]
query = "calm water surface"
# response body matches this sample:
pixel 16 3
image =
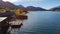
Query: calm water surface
pixel 40 23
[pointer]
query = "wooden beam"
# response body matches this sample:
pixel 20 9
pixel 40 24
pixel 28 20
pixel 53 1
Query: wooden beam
pixel 2 18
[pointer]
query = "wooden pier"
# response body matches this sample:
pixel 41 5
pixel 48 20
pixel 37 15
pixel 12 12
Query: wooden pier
pixel 5 22
pixel 2 18
pixel 3 25
pixel 16 24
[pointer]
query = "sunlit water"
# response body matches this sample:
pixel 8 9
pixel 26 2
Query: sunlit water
pixel 43 22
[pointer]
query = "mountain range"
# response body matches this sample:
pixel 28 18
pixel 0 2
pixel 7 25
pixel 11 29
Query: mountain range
pixel 32 8
pixel 12 6
pixel 28 8
pixel 7 5
pixel 55 8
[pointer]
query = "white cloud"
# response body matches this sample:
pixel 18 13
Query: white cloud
pixel 10 0
pixel 22 0
pixel 29 0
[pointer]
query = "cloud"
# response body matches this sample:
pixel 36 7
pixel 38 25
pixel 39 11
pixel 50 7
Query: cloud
pixel 29 0
pixel 10 0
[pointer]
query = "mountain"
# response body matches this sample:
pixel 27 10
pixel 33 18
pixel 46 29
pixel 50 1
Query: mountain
pixel 22 7
pixel 55 8
pixel 12 6
pixel 32 8
pixel 7 5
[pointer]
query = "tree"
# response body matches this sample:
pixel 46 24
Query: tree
pixel 18 11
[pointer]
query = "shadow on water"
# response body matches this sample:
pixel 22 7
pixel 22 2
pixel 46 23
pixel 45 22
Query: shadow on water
pixel 4 26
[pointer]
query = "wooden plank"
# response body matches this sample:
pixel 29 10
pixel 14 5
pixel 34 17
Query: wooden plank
pixel 2 18
pixel 16 22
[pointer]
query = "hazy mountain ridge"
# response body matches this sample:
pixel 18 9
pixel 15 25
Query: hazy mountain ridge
pixel 7 5
pixel 32 8
pixel 12 6
pixel 55 8
pixel 28 8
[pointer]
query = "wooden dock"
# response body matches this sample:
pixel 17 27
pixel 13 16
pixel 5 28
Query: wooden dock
pixel 6 26
pixel 16 24
pixel 2 18
pixel 3 25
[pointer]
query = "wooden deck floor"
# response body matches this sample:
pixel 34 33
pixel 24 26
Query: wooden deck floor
pixel 16 22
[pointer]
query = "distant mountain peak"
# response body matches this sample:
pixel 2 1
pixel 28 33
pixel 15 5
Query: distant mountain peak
pixel 32 8
pixel 7 5
pixel 55 8
pixel 12 6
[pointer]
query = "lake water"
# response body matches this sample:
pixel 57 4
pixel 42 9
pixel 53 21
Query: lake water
pixel 40 22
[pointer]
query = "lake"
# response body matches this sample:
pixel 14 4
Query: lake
pixel 40 22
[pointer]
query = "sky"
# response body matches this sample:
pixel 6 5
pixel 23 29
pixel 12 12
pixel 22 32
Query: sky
pixel 46 4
